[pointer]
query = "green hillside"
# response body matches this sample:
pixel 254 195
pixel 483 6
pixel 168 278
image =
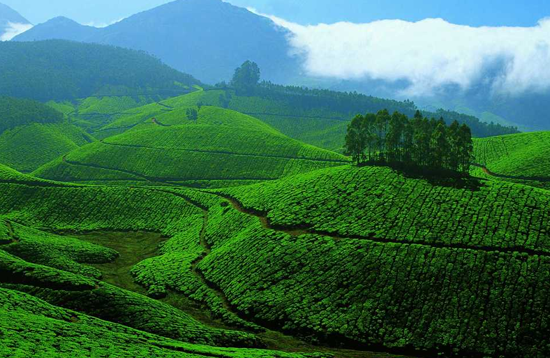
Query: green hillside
pixel 523 158
pixel 368 255
pixel 305 114
pixel 28 147
pixel 51 283
pixel 221 145
pixel 63 70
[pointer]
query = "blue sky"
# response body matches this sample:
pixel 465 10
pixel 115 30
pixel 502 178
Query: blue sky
pixel 466 12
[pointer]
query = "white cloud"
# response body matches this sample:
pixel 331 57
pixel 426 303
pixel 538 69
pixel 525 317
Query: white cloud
pixel 101 25
pixel 14 29
pixel 429 54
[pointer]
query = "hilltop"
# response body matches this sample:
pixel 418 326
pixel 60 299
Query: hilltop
pixel 33 134
pixel 58 28
pixel 218 148
pixel 317 117
pixel 9 21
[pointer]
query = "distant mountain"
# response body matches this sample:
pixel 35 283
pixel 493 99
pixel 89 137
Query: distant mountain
pixel 63 70
pixel 60 28
pixel 11 22
pixel 206 38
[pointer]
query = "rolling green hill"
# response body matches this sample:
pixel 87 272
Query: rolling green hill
pixel 62 284
pixel 364 257
pixel 28 147
pixel 318 117
pixel 33 134
pixel 368 255
pixel 522 158
pixel 220 146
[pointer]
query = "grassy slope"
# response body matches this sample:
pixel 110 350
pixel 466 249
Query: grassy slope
pixel 220 145
pixel 386 260
pixel 524 155
pixel 26 148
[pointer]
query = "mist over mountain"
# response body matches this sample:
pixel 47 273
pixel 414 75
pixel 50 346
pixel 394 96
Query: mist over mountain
pixel 11 23
pixel 206 38
pixel 501 76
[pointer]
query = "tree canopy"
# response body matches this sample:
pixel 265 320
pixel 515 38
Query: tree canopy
pixel 246 77
pixel 422 142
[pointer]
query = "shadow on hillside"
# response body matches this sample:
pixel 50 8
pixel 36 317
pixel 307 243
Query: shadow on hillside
pixel 445 178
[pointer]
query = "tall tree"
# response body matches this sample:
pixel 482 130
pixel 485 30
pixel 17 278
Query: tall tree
pixel 466 151
pixel 439 147
pixel 356 139
pixel 246 77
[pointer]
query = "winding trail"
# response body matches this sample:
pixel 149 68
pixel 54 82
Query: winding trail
pixel 207 249
pixel 304 230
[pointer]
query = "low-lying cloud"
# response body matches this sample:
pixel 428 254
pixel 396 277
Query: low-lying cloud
pixel 12 30
pixel 429 54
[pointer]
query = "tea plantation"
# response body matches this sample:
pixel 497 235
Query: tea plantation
pixel 521 158
pixel 220 145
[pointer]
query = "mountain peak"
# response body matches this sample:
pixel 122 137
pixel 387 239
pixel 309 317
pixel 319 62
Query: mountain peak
pixel 7 14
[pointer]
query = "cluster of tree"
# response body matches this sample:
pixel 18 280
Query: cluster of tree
pixel 62 70
pixel 192 114
pixel 303 100
pixel 420 142
pixel 16 112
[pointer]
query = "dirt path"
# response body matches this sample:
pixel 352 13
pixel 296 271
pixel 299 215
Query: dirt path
pixel 513 177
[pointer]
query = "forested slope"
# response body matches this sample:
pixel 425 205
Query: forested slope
pixel 62 70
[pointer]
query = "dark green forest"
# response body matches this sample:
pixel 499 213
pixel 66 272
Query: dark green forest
pixel 63 70
pixel 16 112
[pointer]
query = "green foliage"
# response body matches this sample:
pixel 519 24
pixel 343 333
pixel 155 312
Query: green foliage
pixel 79 208
pixel 62 70
pixel 56 251
pixel 18 112
pixel 360 202
pixel 32 327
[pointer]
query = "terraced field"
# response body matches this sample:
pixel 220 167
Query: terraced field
pixel 521 158
pixel 221 145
